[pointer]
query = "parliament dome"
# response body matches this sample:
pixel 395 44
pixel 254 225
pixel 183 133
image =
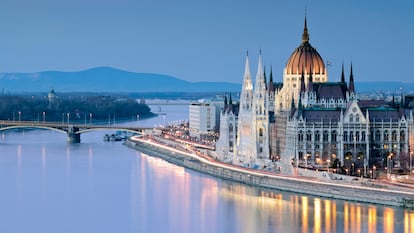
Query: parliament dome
pixel 305 58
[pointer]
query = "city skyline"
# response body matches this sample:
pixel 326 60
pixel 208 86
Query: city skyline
pixel 206 41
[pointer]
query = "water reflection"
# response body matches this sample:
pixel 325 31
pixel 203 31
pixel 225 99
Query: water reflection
pixel 254 209
pixel 107 187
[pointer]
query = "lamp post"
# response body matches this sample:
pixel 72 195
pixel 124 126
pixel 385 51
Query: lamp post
pixel 67 114
pixel 20 116
pixel 411 162
pixel 389 164
pixel 90 118
pixel 44 117
pixel 373 171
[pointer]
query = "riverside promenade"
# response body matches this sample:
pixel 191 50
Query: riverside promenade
pixel 358 191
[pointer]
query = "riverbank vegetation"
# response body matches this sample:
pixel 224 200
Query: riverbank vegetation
pixel 88 109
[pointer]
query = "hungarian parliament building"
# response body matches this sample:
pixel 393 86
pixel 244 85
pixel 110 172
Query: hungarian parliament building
pixel 309 121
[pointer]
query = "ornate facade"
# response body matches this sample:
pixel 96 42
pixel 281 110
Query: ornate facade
pixel 308 121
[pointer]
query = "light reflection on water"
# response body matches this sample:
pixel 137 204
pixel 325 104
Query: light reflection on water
pixel 50 186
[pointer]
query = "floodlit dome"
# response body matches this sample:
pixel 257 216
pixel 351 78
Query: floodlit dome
pixel 305 58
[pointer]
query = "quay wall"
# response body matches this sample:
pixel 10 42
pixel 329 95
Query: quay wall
pixel 336 190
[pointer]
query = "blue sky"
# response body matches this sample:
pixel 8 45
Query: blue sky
pixel 206 40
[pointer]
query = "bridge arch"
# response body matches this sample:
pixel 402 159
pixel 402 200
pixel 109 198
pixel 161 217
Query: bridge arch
pixel 32 127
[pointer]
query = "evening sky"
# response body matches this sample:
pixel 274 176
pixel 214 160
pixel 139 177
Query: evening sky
pixel 206 40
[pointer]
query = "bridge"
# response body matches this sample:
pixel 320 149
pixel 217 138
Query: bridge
pixel 73 131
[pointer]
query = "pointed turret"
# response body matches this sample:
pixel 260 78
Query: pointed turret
pixel 302 83
pixel 351 87
pixel 342 74
pixel 246 96
pixel 310 81
pixel 230 108
pixel 271 85
pixel 305 35
pixel 247 74
pixel 260 72
pixel 225 103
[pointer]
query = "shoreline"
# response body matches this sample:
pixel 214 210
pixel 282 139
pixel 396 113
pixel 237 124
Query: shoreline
pixel 348 191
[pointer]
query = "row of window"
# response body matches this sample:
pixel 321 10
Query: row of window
pixel 351 136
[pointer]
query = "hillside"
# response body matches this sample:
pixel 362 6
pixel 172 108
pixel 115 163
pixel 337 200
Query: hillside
pixel 105 79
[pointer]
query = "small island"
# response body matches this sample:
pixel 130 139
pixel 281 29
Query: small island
pixel 82 108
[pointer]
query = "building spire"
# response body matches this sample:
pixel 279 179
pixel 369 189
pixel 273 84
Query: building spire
pixel 260 72
pixel 342 74
pixel 302 83
pixel 305 35
pixel 310 81
pixel 247 66
pixel 271 85
pixel 351 87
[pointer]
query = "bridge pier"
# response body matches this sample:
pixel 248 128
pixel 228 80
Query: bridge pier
pixel 73 136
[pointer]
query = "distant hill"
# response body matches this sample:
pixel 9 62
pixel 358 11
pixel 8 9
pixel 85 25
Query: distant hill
pixel 105 79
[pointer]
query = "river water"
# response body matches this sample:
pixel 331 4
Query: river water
pixel 48 185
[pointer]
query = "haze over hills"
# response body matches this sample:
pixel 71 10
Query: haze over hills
pixel 107 79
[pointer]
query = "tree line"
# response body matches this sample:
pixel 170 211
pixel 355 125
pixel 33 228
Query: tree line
pixel 78 108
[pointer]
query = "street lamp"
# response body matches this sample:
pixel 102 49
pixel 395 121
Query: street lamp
pixel 20 116
pixel 67 114
pixel 44 117
pixel 389 163
pixel 373 171
pixel 90 118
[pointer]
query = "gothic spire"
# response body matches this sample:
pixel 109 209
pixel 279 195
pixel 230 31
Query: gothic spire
pixel 247 66
pixel 310 81
pixel 271 86
pixel 351 87
pixel 230 103
pixel 342 74
pixel 302 82
pixel 305 35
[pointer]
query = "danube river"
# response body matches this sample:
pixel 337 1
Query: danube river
pixel 48 185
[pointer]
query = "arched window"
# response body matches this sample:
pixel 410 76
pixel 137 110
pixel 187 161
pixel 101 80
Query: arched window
pixel 357 118
pixel 261 132
pixel 300 136
pixel 334 135
pixel 309 136
pixel 357 136
pixel 402 136
pixel 317 136
pixel 325 136
pixel 377 135
pixel 351 136
pixel 386 135
pixel 345 136
pixel 394 135
pixel 363 136
pixel 351 118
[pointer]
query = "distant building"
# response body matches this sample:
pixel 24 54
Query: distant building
pixel 51 96
pixel 202 120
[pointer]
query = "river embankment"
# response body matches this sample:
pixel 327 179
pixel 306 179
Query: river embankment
pixel 361 191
